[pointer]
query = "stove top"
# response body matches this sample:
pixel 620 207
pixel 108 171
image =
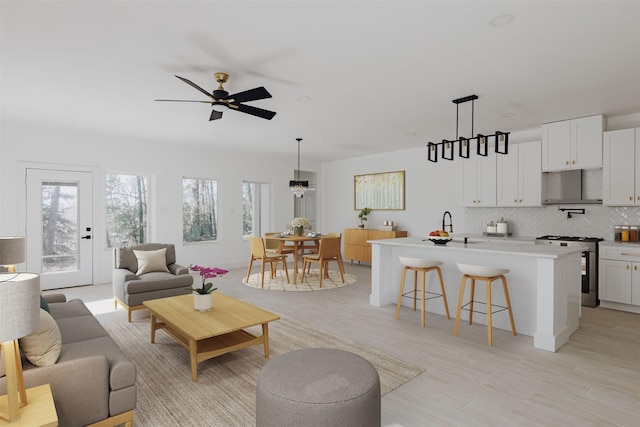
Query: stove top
pixel 571 238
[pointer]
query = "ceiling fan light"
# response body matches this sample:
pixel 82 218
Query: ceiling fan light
pixel 219 107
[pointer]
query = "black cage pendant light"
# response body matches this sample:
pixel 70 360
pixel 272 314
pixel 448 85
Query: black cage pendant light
pixel 446 147
pixel 298 187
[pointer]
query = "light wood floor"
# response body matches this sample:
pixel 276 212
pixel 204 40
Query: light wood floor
pixel 594 380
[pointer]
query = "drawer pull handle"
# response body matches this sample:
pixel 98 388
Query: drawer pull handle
pixel 629 254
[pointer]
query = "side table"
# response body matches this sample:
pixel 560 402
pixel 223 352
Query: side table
pixel 40 411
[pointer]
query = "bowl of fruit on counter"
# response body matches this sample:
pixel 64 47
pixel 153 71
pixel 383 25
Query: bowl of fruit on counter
pixel 440 237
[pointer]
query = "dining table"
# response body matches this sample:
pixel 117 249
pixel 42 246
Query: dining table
pixel 298 243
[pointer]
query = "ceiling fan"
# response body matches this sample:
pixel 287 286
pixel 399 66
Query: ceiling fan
pixel 221 100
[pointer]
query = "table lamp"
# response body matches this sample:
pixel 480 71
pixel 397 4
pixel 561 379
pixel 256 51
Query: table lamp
pixel 11 252
pixel 19 317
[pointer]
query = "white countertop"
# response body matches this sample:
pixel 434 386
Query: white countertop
pixel 497 247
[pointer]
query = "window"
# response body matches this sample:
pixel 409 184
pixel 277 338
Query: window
pixel 59 226
pixel 127 201
pixel 199 210
pixel 255 208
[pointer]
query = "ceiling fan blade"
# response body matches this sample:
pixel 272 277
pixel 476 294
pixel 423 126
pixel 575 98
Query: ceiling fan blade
pixel 181 100
pixel 192 84
pixel 215 115
pixel 250 95
pixel 254 111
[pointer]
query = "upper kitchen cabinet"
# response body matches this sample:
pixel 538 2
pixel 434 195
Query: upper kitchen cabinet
pixel 572 144
pixel 478 179
pixel 519 180
pixel 621 168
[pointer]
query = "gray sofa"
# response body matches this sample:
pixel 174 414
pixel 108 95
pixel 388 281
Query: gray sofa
pixel 93 383
pixel 131 290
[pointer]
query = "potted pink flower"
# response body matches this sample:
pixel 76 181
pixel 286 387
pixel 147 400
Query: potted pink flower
pixel 202 296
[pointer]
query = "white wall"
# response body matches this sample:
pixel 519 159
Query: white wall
pixel 167 165
pixel 430 190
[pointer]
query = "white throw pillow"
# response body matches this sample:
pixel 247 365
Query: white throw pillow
pixel 149 261
pixel 42 348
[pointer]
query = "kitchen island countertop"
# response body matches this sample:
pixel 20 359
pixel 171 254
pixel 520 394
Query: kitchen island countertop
pixel 544 282
pixel 494 247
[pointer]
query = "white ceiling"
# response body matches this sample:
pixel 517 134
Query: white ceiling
pixel 379 76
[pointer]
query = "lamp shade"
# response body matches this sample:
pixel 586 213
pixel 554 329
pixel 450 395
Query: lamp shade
pixel 11 250
pixel 19 305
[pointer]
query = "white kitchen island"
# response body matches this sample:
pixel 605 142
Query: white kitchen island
pixel 544 283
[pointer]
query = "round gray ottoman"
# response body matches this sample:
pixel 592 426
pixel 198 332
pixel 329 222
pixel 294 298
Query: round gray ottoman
pixel 318 387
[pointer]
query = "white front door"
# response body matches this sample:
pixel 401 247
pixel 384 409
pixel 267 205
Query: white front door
pixel 59 232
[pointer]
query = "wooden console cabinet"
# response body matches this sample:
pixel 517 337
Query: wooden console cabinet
pixel 356 247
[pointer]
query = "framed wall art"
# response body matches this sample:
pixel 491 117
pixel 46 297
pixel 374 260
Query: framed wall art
pixel 379 191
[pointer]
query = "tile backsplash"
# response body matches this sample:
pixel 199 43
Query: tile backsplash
pixel 598 220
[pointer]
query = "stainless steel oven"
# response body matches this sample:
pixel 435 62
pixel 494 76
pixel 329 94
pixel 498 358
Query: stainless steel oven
pixel 589 262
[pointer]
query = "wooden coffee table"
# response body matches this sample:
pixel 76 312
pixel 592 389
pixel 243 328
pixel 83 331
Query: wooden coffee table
pixel 212 333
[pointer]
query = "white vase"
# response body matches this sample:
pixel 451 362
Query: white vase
pixel 202 302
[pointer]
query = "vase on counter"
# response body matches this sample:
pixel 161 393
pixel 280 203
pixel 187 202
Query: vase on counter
pixel 298 231
pixel 361 225
pixel 202 302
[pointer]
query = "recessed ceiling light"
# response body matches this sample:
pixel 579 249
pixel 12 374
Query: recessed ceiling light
pixel 507 115
pixel 304 99
pixel 502 20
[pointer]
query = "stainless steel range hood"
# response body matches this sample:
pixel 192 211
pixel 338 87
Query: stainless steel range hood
pixel 566 188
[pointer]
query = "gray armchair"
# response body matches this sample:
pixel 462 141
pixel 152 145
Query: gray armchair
pixel 146 275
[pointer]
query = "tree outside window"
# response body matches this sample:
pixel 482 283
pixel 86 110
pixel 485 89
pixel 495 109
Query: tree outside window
pixel 59 226
pixel 127 200
pixel 199 210
pixel 255 208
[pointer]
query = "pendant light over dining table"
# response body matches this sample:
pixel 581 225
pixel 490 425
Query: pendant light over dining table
pixel 298 187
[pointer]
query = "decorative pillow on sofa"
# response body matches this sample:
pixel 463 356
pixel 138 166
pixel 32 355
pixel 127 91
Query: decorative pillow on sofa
pixel 44 305
pixel 42 348
pixel 149 261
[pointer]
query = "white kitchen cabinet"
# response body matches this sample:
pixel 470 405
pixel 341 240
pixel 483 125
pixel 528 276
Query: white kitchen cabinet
pixel 478 178
pixel 519 179
pixel 621 168
pixel 572 144
pixel 619 277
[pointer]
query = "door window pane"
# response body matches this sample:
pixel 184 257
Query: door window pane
pixel 199 210
pixel 59 227
pixel 126 210
pixel 255 208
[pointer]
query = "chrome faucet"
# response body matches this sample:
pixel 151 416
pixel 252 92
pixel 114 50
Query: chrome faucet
pixel 444 225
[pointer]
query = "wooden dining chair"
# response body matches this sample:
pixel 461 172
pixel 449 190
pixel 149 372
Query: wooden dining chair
pixel 314 249
pixel 329 251
pixel 275 246
pixel 258 252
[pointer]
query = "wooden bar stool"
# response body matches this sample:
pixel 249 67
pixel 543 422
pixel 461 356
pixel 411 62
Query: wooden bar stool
pixel 488 274
pixel 418 265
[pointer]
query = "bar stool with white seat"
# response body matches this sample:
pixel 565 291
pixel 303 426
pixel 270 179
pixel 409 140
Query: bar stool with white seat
pixel 489 275
pixel 419 265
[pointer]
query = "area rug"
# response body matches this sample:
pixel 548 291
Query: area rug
pixel 311 281
pixel 225 392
